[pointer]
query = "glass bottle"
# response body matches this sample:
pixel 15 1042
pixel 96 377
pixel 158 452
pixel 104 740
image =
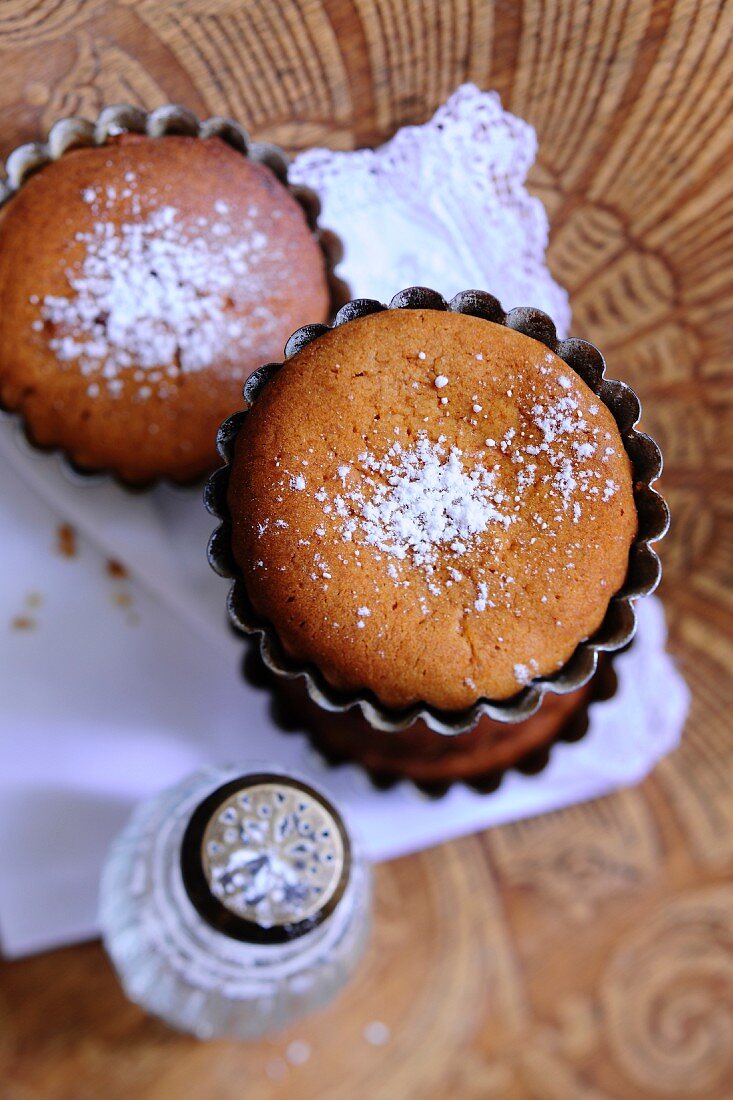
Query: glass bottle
pixel 235 902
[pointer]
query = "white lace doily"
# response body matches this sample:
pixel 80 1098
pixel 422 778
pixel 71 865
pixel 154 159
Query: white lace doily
pixel 442 205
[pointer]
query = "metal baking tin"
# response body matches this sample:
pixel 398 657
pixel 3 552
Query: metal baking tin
pixel 619 623
pixel 293 718
pixel 171 119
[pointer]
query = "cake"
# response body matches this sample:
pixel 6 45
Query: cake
pixel 437 517
pixel 141 281
pixel 431 508
pixel 432 761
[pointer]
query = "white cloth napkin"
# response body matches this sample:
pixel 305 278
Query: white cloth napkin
pixel 113 687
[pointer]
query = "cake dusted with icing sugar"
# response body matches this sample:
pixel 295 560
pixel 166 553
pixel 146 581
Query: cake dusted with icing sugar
pixel 149 292
pixel 141 283
pixel 430 507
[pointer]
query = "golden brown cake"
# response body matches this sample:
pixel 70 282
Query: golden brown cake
pixel 140 284
pixel 430 507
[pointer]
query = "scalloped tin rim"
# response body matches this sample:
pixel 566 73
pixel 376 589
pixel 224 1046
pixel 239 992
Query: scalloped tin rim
pixel 619 623
pixel 484 783
pixel 73 132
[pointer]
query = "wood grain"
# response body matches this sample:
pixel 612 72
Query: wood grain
pixel 587 955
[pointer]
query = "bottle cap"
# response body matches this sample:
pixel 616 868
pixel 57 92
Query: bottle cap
pixel 265 858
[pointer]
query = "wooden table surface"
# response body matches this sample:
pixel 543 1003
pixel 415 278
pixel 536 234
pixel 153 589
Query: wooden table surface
pixel 589 953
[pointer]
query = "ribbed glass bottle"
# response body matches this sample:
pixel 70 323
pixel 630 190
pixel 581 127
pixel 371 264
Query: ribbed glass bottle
pixel 235 902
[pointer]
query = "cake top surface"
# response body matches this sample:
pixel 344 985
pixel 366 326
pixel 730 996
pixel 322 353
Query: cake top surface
pixel 147 272
pixel 431 507
pixel 152 286
pixel 138 269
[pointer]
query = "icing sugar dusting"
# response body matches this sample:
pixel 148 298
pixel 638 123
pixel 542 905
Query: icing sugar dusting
pixel 524 673
pixel 156 294
pixel 424 502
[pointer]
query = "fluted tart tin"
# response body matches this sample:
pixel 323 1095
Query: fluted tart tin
pixel 387 758
pixel 73 133
pixel 619 623
pixel 235 902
